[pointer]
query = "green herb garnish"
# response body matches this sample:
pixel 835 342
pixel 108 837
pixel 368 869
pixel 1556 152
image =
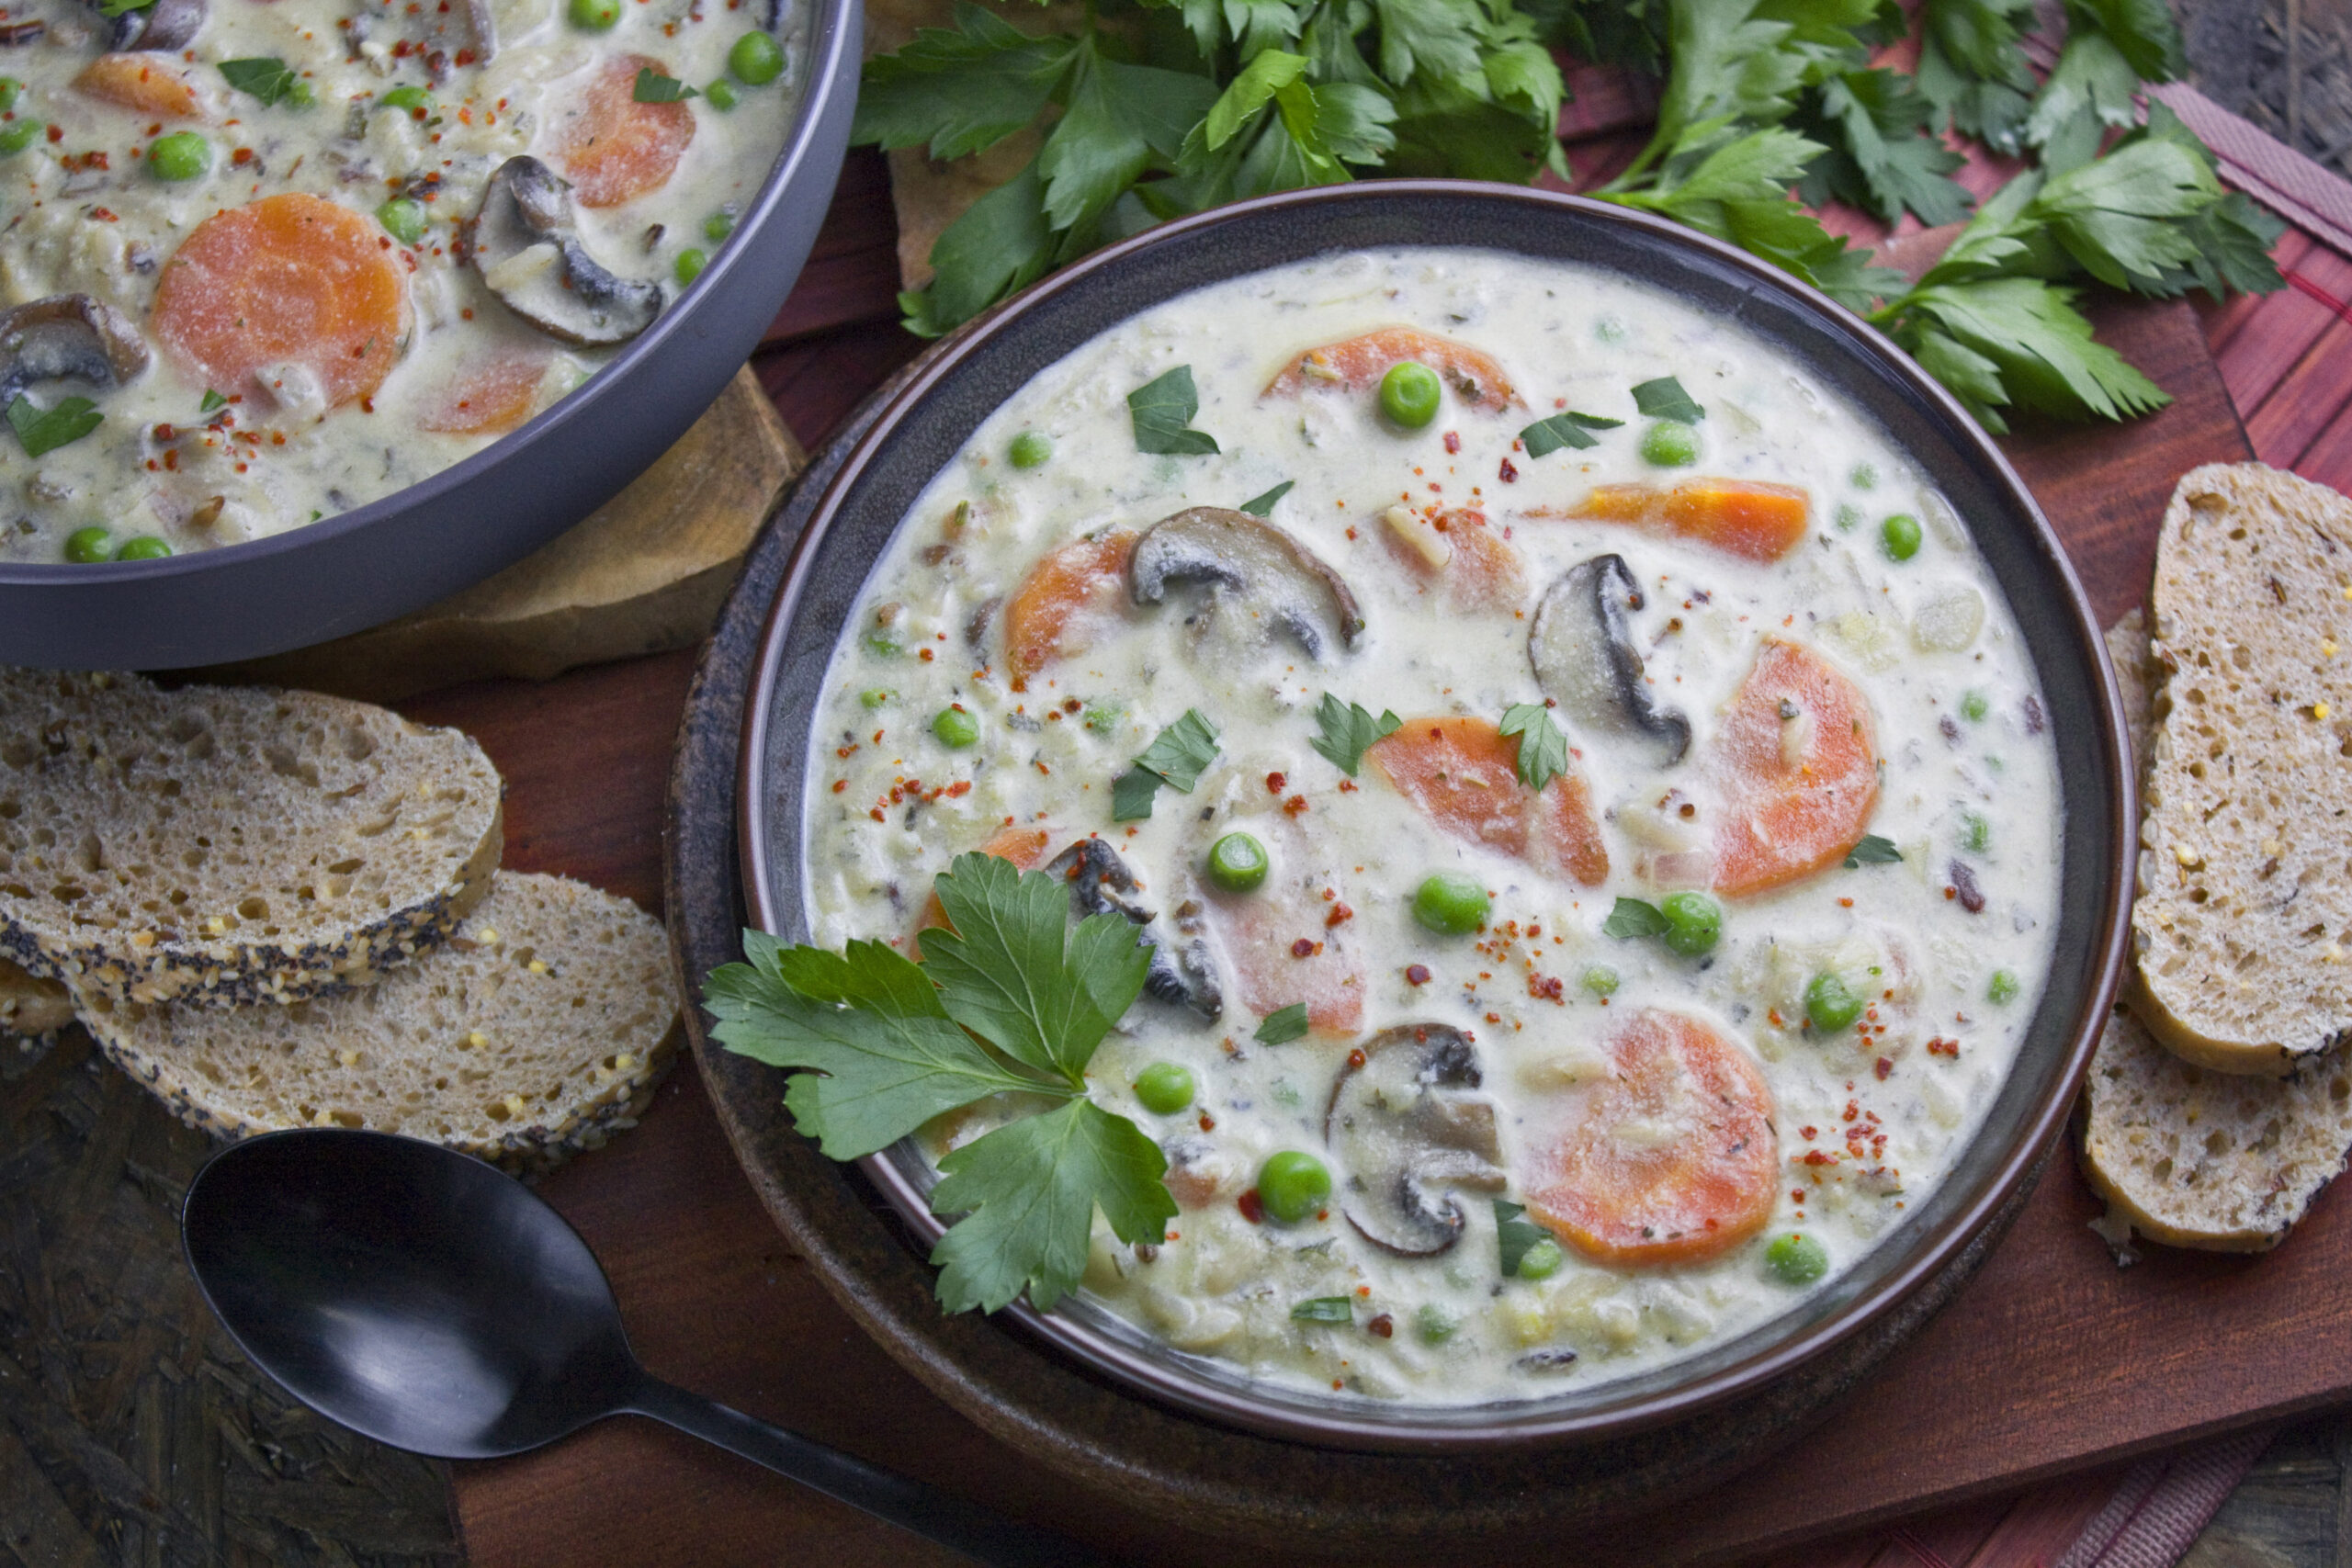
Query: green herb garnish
pixel 1324 1309
pixel 1872 851
pixel 1163 409
pixel 1263 505
pixel 1546 436
pixel 1664 399
pixel 1632 917
pixel 652 87
pixel 1175 757
pixel 45 429
pixel 1542 749
pixel 1006 999
pixel 112 8
pixel 1282 1025
pixel 270 80
pixel 1348 731
pixel 211 400
pixel 1514 1235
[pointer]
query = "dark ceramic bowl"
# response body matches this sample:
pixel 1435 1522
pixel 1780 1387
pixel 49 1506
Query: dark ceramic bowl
pixel 448 532
pixel 1922 1260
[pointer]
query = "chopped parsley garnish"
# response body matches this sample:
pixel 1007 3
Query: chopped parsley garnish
pixel 1514 1235
pixel 212 401
pixel 1348 731
pixel 1546 436
pixel 1632 917
pixel 1263 505
pixel 112 8
pixel 1175 758
pixel 1664 399
pixel 1324 1309
pixel 1872 851
pixel 1162 411
pixel 1542 749
pixel 1131 794
pixel 655 88
pixel 270 80
pixel 45 429
pixel 1006 999
pixel 1282 1025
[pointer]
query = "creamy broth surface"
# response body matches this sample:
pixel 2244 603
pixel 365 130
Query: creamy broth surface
pixel 1946 948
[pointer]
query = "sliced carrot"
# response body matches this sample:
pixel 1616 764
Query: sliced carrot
pixel 289 280
pixel 1796 763
pixel 613 148
pixel 141 82
pixel 1747 518
pixel 1670 1159
pixel 1285 952
pixel 1461 555
pixel 1463 775
pixel 1065 602
pixel 1024 847
pixel 1357 364
pixel 489 397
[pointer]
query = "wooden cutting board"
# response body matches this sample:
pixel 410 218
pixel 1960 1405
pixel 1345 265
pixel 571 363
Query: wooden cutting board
pixel 2050 1360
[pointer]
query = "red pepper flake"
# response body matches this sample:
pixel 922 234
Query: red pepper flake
pixel 1494 1018
pixel 1295 807
pixel 1208 1122
pixel 1340 914
pixel 1417 973
pixel 875 812
pixel 1453 441
pixel 1808 1134
pixel 1356 1058
pixel 1306 947
pixel 1797 1194
pixel 924 654
pixel 840 785
pixel 1547 988
pixel 1275 783
pixel 1816 1156
pixel 1252 1207
pixel 1382 1325
pixel 1884 1069
pixel 1347 786
pixel 56 134
pixel 1508 474
pixel 1939 1047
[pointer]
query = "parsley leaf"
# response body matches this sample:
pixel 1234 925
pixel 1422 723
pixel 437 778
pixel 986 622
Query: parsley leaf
pixel 1132 794
pixel 1324 1309
pixel 1513 1235
pixel 1162 410
pixel 1348 730
pixel 113 9
pixel 1263 505
pixel 654 88
pixel 1872 851
pixel 1002 243
pixel 1282 1025
pixel 1546 436
pixel 1182 750
pixel 1632 917
pixel 45 429
pixel 270 80
pixel 1664 399
pixel 959 91
pixel 212 401
pixel 2040 343
pixel 1542 749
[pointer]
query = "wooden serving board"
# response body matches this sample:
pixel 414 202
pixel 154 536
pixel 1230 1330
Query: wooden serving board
pixel 2051 1359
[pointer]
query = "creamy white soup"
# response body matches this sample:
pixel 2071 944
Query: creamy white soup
pixel 1634 986
pixel 263 261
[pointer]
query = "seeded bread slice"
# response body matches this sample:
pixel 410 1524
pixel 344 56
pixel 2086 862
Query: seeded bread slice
pixel 539 1031
pixel 31 1007
pixel 2191 1157
pixel 229 845
pixel 2243 932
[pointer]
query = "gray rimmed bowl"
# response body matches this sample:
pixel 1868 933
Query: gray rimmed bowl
pixel 1783 1371
pixel 445 533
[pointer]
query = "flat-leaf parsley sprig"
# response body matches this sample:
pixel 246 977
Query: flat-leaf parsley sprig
pixel 1007 999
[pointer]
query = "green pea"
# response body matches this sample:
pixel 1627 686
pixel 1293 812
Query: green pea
pixel 1408 394
pixel 1796 1259
pixel 402 219
pixel 1291 1185
pixel 15 138
pixel 1693 921
pixel 1542 1260
pixel 1900 536
pixel 755 59
pixel 181 155
pixel 595 16
pixel 9 88
pixel 1451 904
pixel 1831 1003
pixel 1103 716
pixel 1847 517
pixel 1600 980
pixel 720 96
pixel 1434 1324
pixel 955 728
pixel 411 97
pixel 718 225
pixel 1238 862
pixel 1974 708
pixel 1165 1087
pixel 1030 450
pixel 1864 477
pixel 1670 444
pixel 1976 833
pixel 880 696
pixel 145 548
pixel 689 266
pixel 86 547
pixel 2002 987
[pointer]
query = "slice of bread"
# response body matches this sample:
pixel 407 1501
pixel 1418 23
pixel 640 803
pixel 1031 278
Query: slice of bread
pixel 2191 1157
pixel 539 1031
pixel 229 845
pixel 2243 931
pixel 31 1007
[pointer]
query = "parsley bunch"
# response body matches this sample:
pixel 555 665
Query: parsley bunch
pixel 1769 108
pixel 1007 1000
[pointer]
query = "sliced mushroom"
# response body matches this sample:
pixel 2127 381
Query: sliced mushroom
pixel 166 24
pixel 526 250
pixel 1405 1127
pixel 67 335
pixel 1251 565
pixel 1583 652
pixel 1182 974
pixel 483 23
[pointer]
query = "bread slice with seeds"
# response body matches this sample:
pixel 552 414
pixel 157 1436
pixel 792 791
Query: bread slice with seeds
pixel 539 1031
pixel 230 845
pixel 31 1007
pixel 2189 1157
pixel 2243 931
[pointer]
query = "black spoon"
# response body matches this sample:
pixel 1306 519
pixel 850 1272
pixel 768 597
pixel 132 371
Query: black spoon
pixel 422 1299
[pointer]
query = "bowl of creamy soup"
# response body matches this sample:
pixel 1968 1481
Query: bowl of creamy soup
pixel 310 314
pixel 1614 769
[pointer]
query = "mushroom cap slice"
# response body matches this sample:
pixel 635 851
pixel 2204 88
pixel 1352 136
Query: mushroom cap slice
pixel 528 251
pixel 166 24
pixel 1582 649
pixel 67 336
pixel 1252 564
pixel 1180 974
pixel 1407 1129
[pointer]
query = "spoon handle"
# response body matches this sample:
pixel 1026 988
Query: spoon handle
pixel 978 1532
